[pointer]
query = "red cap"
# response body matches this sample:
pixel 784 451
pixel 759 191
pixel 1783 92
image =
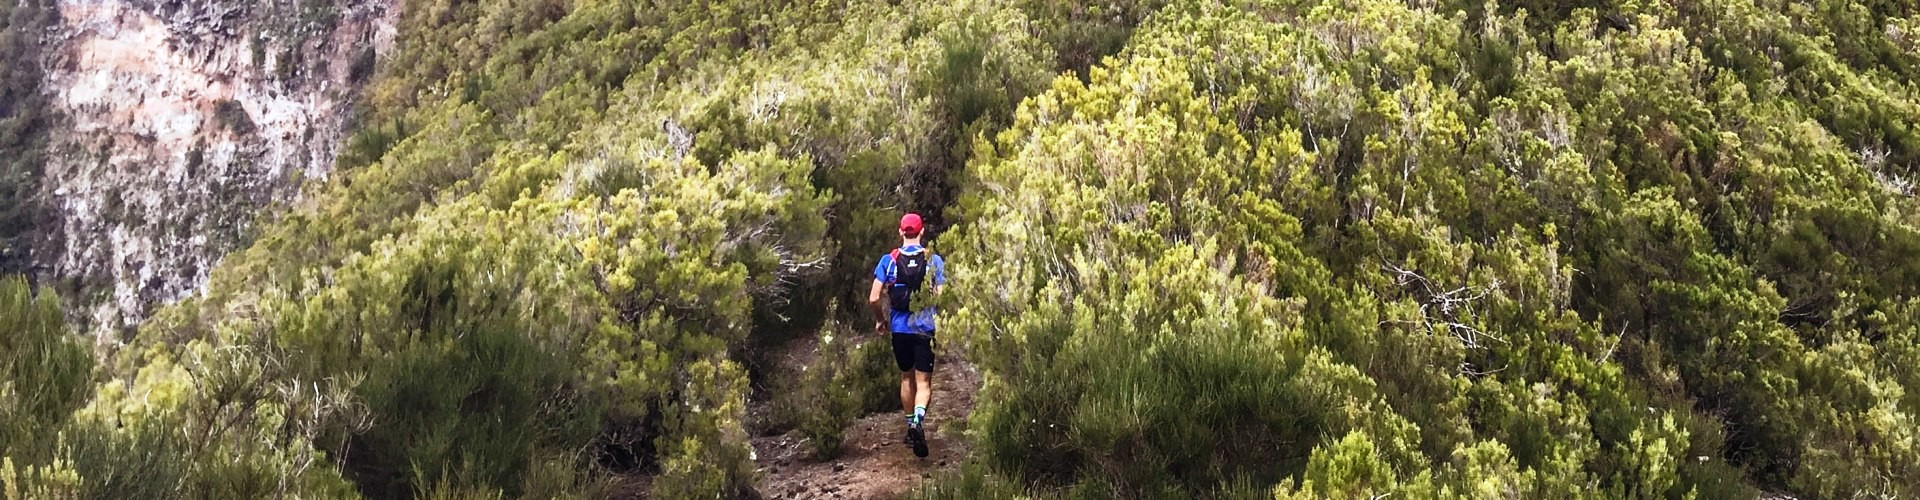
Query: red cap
pixel 910 225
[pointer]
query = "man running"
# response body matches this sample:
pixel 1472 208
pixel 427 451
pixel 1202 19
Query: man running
pixel 909 322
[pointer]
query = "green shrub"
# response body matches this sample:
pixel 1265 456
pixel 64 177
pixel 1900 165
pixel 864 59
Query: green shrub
pixel 45 374
pixel 463 401
pixel 872 379
pixel 851 376
pixel 970 481
pixel 1522 256
pixel 823 418
pixel 144 461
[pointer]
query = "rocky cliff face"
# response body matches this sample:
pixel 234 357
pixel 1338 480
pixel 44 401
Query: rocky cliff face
pixel 181 123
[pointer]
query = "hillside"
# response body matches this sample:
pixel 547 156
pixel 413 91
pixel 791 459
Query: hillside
pixel 1269 248
pixel 144 139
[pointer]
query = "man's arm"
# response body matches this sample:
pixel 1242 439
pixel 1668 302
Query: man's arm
pixel 939 274
pixel 879 311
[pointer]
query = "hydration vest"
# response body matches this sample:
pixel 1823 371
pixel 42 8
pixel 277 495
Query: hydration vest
pixel 909 273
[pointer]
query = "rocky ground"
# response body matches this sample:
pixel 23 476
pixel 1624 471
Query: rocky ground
pixel 875 461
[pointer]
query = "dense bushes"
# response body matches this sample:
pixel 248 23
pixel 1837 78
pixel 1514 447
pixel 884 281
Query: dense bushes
pixel 557 232
pixel 1494 253
pixel 1292 248
pixel 45 374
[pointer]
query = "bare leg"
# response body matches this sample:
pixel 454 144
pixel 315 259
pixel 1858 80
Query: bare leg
pixel 924 381
pixel 906 391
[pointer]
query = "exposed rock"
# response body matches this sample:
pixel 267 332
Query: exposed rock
pixel 181 120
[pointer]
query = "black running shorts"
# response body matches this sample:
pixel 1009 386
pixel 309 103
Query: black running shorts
pixel 913 351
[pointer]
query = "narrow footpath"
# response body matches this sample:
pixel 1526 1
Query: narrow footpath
pixel 874 461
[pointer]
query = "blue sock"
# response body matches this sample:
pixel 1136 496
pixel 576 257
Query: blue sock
pixel 919 414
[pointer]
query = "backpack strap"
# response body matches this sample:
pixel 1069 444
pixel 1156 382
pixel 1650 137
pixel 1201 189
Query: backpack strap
pixel 893 261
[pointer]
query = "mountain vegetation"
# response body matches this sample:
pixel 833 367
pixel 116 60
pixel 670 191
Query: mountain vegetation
pixel 1259 248
pixel 1364 247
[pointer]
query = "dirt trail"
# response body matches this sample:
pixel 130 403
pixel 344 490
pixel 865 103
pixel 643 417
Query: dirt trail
pixel 874 461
